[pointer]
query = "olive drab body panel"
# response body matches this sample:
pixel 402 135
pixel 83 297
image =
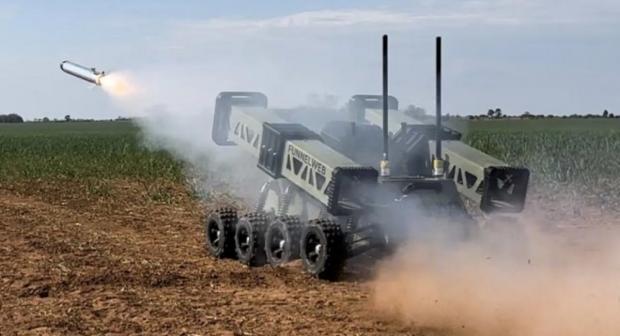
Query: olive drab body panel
pixel 286 150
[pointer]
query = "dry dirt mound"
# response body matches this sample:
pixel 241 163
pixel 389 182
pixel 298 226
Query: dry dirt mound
pixel 71 263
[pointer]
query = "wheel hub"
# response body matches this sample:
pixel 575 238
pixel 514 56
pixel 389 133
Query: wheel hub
pixel 317 249
pixel 214 233
pixel 278 242
pixel 244 240
pixel 313 248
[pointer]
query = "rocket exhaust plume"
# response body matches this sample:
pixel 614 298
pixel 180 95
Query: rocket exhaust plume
pixel 88 74
pixel 118 84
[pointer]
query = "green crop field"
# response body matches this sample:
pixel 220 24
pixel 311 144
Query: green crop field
pixel 583 154
pixel 81 150
pixel 534 125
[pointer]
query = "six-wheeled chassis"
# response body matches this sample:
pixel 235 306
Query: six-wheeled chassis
pixel 325 201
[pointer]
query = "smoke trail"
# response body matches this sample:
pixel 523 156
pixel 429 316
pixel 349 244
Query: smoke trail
pixel 175 113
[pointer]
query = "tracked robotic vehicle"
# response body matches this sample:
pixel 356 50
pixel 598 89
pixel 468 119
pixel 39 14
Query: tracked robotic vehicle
pixel 358 185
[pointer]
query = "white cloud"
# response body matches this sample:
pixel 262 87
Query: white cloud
pixel 331 18
pixel 434 14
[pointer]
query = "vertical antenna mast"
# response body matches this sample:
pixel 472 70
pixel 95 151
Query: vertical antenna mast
pixel 438 163
pixel 438 97
pixel 385 97
pixel 385 164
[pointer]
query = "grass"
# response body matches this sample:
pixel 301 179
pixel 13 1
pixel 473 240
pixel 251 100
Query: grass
pixel 81 150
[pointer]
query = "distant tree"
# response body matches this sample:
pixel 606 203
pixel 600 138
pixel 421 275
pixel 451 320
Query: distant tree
pixel 605 114
pixel 526 115
pixel 611 115
pixel 11 118
pixel 16 118
pixel 67 118
pixel 550 116
pixel 490 113
pixel 497 113
pixel 46 119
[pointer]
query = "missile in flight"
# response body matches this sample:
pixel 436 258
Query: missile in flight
pixel 88 74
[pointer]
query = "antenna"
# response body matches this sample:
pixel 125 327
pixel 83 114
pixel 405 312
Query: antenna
pixel 385 163
pixel 438 163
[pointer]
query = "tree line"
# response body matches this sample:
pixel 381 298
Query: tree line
pixel 412 110
pixel 496 113
pixel 16 118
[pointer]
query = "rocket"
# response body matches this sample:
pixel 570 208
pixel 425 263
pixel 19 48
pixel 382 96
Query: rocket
pixel 88 74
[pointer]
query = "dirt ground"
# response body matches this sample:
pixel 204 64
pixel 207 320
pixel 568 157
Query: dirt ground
pixel 75 262
pixel 71 263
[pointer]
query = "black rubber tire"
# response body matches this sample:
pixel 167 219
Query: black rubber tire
pixel 250 239
pixel 329 261
pixel 286 229
pixel 219 229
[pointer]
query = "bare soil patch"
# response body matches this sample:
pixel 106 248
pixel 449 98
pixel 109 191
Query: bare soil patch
pixel 74 263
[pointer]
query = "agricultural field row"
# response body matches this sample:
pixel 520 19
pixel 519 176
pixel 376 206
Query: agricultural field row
pixel 577 156
pixel 92 150
pixel 94 156
pixel 582 154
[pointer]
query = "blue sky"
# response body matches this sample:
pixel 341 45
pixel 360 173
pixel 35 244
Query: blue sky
pixel 521 55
